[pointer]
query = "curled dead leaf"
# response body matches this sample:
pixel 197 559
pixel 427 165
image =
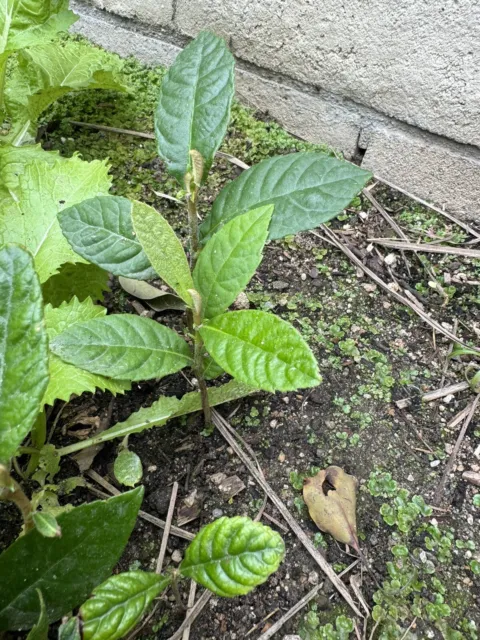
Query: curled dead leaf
pixel 331 500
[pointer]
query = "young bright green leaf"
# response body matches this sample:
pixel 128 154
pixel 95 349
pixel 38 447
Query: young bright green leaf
pixel 65 569
pixel 75 281
pixel 40 630
pixel 46 525
pixel 100 230
pixel 23 348
pixel 66 379
pixel 164 409
pixel 123 346
pixel 231 556
pixel 69 630
pixel 306 188
pixel 117 605
pixel 26 23
pixel 163 249
pixel 194 104
pixel 230 259
pixel 29 207
pixel 261 350
pixel 128 468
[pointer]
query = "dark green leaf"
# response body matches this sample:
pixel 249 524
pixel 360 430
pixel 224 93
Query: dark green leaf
pixel 128 468
pixel 65 569
pixel 23 348
pixel 40 630
pixel 261 350
pixel 100 230
pixel 194 104
pixel 118 604
pixel 211 369
pixel 75 280
pixel 229 260
pixel 123 347
pixel 163 248
pixel 231 556
pixel 306 189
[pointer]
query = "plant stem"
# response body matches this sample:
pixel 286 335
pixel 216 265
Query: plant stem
pixel 39 436
pixel 11 491
pixel 193 226
pixel 175 590
pixel 199 351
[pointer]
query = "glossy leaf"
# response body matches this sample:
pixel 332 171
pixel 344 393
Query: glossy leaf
pixel 306 189
pixel 46 525
pixel 230 259
pixel 47 72
pixel 194 104
pixel 163 249
pixel 65 569
pixel 45 185
pixel 261 350
pixel 101 231
pixel 123 346
pixel 231 556
pixel 211 369
pixel 66 379
pixel 75 281
pixel 128 468
pixel 23 348
pixel 40 630
pixel 117 605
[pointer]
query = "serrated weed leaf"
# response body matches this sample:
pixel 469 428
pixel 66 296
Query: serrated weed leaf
pixel 230 259
pixel 66 379
pixel 231 556
pixel 163 249
pixel 261 350
pixel 44 186
pixel 194 104
pixel 65 569
pixel 117 605
pixel 306 188
pixel 101 231
pixel 23 348
pixel 124 347
pixel 32 22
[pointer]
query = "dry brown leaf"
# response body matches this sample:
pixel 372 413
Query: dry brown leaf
pixel 331 500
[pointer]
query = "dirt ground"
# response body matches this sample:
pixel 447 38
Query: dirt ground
pixel 372 352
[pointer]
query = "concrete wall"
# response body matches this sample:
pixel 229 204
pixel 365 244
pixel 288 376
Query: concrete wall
pixel 393 83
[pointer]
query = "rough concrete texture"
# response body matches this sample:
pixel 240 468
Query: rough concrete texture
pixel 152 12
pixel 113 34
pixel 429 167
pixel 415 60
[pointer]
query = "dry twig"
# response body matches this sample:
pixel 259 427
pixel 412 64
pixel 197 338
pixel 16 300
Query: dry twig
pixel 452 389
pixel 220 423
pixel 190 603
pixel 426 246
pixel 451 461
pixel 168 524
pixel 192 615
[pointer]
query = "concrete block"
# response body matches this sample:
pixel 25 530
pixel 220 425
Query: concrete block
pixel 152 12
pixel 112 34
pixel 441 172
pixel 418 61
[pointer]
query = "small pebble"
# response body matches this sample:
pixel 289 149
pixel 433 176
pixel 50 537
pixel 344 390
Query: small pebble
pixel 434 463
pixel 217 513
pixel 313 578
pixel 303 276
pixel 176 556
